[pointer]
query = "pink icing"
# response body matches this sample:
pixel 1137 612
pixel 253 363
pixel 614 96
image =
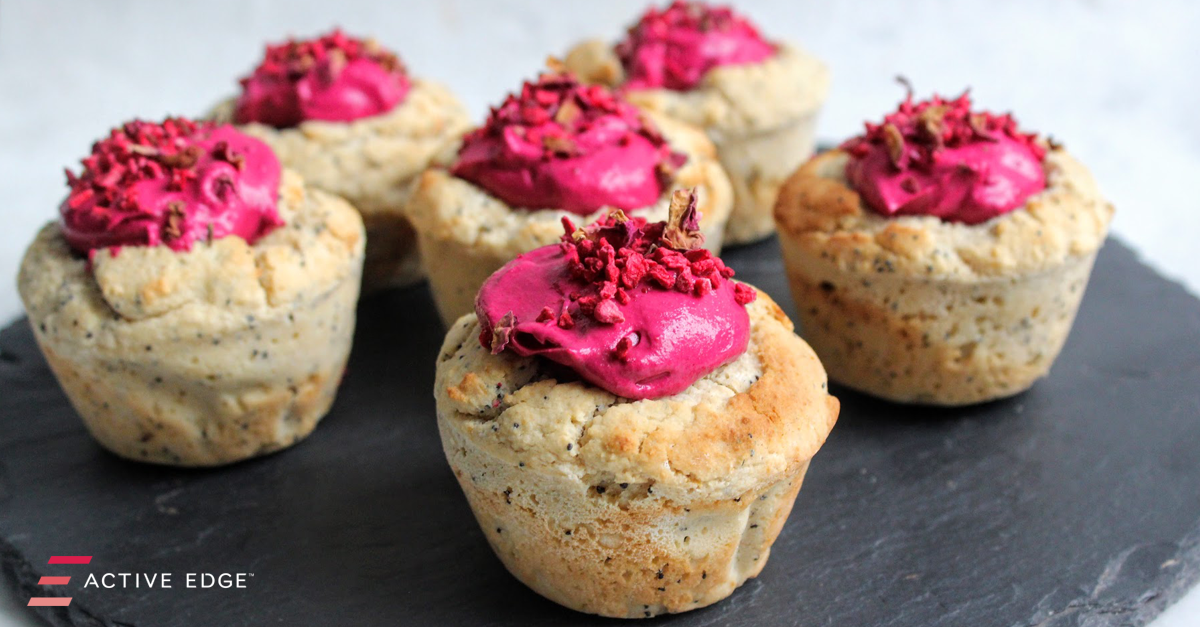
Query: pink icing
pixel 674 48
pixel 939 158
pixel 563 145
pixel 172 183
pixel 636 309
pixel 334 77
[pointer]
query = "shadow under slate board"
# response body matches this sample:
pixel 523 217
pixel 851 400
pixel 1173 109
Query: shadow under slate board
pixel 1077 503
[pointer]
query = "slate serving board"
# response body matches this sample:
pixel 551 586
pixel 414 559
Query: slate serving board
pixel 1077 503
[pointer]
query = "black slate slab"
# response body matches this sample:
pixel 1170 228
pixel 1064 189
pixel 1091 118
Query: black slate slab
pixel 1077 503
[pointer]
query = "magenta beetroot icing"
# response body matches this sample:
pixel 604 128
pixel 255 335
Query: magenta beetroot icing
pixel 939 158
pixel 173 184
pixel 560 144
pixel 335 77
pixel 637 309
pixel 674 48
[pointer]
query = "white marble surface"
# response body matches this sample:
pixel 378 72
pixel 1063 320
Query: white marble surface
pixel 1115 81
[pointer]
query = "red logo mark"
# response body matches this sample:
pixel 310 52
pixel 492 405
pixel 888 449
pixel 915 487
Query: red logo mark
pixel 58 581
pixel 71 559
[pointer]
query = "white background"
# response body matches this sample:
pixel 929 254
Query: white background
pixel 1117 82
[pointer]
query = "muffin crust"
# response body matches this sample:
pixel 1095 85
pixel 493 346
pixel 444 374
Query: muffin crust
pixel 207 356
pixel 633 508
pixel 915 309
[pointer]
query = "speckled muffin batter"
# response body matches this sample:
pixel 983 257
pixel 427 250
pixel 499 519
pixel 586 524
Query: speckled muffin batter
pixel 761 117
pixel 372 162
pixel 916 309
pixel 207 356
pixel 633 508
pixel 466 234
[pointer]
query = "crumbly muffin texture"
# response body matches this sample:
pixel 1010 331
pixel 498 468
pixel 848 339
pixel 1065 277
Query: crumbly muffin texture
pixel 466 234
pixel 207 356
pixel 915 309
pixel 762 118
pixel 757 166
pixel 633 508
pixel 372 163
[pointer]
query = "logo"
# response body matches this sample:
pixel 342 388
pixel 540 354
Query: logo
pixel 157 581
pixel 58 581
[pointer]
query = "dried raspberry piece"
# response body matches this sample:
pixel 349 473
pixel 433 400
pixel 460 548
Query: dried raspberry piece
pixel 624 345
pixel 916 131
pixel 329 54
pixel 665 255
pixel 744 294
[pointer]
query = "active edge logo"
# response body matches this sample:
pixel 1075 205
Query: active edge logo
pixel 58 581
pixel 109 580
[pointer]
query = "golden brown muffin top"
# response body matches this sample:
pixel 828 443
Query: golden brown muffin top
pixel 819 211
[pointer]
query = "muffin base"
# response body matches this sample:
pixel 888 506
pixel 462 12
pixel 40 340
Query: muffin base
pixel 207 356
pixel 455 272
pixel 624 552
pixel 179 410
pixel 757 166
pixel 631 508
pixel 934 341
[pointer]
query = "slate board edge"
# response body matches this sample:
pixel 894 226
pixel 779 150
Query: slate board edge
pixel 18 573
pixel 1097 610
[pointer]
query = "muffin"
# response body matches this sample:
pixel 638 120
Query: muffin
pixel 195 300
pixel 557 149
pixel 941 256
pixel 629 425
pixel 345 114
pixel 706 65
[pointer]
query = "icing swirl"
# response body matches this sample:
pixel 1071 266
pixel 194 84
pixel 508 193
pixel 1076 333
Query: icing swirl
pixel 937 157
pixel 172 183
pixel 637 309
pixel 560 144
pixel 334 77
pixel 675 47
